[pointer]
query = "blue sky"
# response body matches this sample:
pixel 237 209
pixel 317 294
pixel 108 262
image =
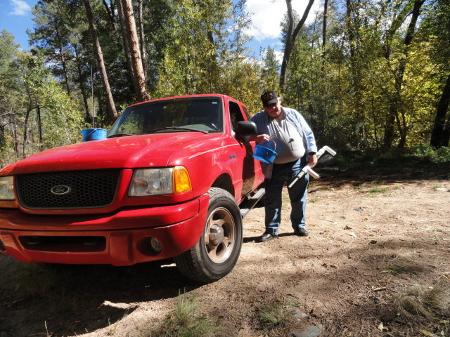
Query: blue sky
pixel 16 18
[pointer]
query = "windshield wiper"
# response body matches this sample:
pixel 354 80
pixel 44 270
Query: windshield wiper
pixel 119 135
pixel 176 128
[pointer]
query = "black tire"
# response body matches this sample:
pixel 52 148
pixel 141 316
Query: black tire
pixel 217 250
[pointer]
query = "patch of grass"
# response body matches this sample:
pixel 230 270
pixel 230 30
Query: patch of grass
pixel 428 306
pixel 438 187
pixel 186 321
pixel 275 313
pixel 378 190
pixel 397 269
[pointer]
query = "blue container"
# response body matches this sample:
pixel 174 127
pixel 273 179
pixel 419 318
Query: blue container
pixel 93 134
pixel 264 154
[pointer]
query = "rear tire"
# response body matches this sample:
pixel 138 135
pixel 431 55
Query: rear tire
pixel 217 250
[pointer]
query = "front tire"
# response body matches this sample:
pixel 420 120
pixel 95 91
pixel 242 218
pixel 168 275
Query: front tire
pixel 217 250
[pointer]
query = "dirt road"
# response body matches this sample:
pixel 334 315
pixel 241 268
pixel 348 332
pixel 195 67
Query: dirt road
pixel 376 263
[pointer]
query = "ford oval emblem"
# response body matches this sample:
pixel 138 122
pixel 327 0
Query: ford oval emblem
pixel 60 190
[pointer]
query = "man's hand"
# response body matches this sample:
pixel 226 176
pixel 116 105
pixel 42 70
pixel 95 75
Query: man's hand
pixel 261 138
pixel 312 160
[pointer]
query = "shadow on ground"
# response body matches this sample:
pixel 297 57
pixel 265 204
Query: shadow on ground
pixel 39 300
pixel 382 171
pixel 42 300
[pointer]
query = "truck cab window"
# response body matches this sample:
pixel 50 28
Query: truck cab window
pixel 235 115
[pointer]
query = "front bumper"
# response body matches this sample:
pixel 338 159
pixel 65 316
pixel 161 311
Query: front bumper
pixel 123 236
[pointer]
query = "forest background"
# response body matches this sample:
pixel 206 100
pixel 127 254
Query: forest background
pixel 370 76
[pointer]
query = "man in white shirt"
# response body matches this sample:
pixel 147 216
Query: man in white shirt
pixel 293 140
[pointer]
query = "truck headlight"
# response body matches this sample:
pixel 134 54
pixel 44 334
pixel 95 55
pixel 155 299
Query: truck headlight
pixel 7 188
pixel 159 181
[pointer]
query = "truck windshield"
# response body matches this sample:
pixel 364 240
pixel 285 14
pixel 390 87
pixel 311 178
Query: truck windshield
pixel 178 115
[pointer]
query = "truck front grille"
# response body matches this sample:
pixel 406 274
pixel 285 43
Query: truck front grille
pixel 75 189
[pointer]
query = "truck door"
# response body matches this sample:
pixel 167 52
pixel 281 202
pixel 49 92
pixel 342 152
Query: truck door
pixel 252 175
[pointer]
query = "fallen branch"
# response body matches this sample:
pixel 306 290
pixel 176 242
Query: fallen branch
pixel 379 289
pixel 123 306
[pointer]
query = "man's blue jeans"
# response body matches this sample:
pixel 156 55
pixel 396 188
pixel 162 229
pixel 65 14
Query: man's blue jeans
pixel 282 174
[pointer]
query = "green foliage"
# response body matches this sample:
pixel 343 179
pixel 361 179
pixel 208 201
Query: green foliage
pixel 436 18
pixel 241 81
pixel 10 99
pixel 205 54
pixel 29 92
pixel 269 72
pixel 190 62
pixel 59 109
pixel 440 155
pixel 56 107
pixel 347 89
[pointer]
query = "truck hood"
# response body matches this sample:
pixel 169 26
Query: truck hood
pixel 155 150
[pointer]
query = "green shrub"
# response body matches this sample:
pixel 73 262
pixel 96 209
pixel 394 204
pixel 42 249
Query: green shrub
pixel 185 321
pixel 440 155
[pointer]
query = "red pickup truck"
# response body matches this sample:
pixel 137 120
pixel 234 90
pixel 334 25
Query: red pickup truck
pixel 173 179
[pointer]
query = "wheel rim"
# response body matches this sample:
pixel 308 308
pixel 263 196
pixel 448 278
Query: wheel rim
pixel 220 235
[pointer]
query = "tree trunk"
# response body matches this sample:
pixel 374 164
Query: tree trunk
pixel 39 123
pixel 324 27
pixel 142 36
pixel 62 59
pixel 2 137
pixel 396 106
pixel 112 112
pixel 125 45
pixel 136 61
pixel 441 130
pixel 446 135
pixel 15 137
pixel 291 36
pixel 81 83
pixel 353 28
pixel 25 131
pixel 110 11
pixel 396 23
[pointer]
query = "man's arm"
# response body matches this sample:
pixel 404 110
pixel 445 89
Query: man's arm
pixel 310 140
pixel 308 135
pixel 259 138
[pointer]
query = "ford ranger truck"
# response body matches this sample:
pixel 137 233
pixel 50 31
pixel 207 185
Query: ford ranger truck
pixel 173 179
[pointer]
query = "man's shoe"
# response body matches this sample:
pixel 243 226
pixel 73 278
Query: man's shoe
pixel 267 236
pixel 301 231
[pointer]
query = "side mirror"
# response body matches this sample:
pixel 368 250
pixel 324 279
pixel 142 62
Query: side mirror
pixel 246 128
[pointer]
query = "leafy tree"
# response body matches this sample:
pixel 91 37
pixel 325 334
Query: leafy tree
pixel 291 36
pixel 190 63
pixel 33 105
pixel 367 74
pixel 270 70
pixel 52 36
pixel 51 105
pixel 11 99
pixel 437 27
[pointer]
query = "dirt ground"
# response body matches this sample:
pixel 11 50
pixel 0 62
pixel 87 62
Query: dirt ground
pixel 376 263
